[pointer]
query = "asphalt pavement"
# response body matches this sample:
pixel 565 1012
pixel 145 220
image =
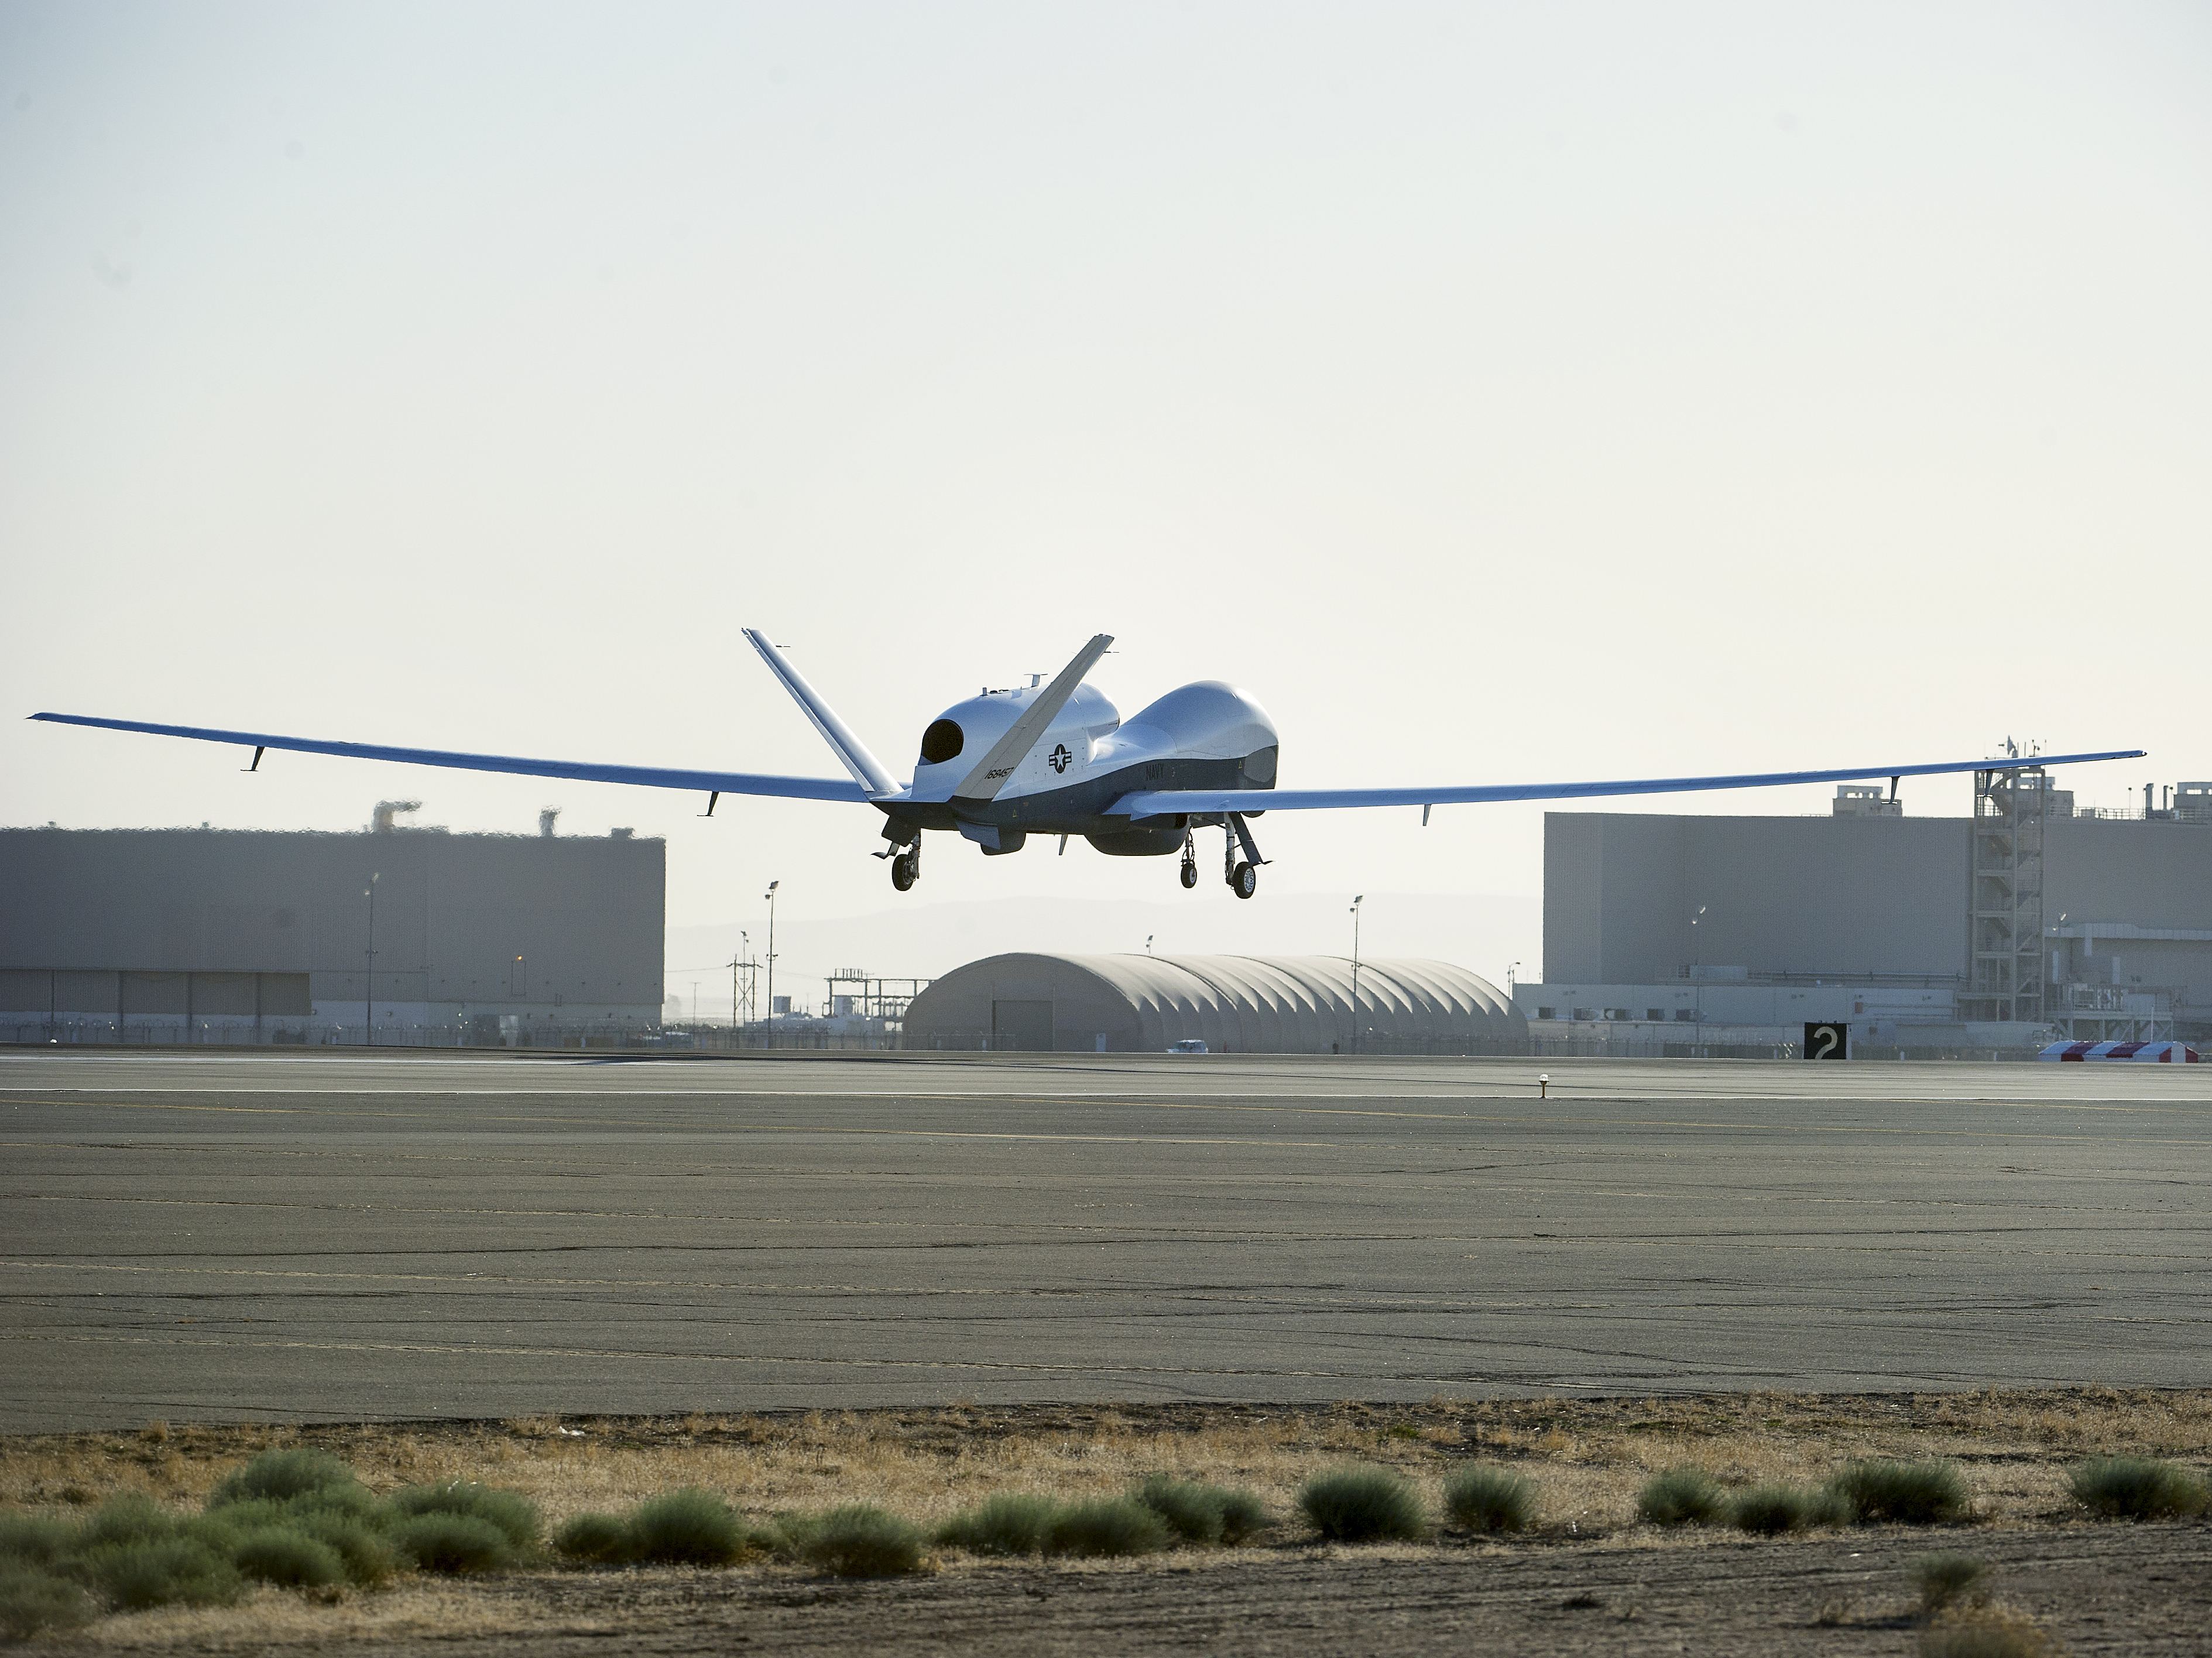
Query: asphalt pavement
pixel 342 1235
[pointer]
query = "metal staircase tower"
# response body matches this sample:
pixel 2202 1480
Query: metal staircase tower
pixel 2005 971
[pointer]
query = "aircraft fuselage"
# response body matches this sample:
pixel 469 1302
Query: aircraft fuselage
pixel 1204 735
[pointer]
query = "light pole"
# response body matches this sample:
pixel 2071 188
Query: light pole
pixel 772 886
pixel 1356 903
pixel 368 986
pixel 1698 975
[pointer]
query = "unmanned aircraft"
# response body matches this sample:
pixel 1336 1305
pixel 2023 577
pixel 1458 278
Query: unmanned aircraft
pixel 1060 759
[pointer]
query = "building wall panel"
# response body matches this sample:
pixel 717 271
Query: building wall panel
pixel 452 912
pixel 1799 895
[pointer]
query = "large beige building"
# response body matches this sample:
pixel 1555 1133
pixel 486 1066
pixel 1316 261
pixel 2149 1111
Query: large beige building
pixel 206 934
pixel 2092 925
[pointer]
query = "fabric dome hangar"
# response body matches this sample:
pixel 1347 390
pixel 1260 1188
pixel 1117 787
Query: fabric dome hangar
pixel 1036 1003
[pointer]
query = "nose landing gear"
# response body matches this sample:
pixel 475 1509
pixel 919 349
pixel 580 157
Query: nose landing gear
pixel 906 865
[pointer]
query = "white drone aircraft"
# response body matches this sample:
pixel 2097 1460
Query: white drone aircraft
pixel 1060 759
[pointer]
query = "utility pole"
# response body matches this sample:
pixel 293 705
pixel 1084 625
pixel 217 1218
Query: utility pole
pixel 772 886
pixel 368 986
pixel 1698 973
pixel 1356 903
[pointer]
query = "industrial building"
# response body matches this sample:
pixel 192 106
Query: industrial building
pixel 419 936
pixel 1233 1003
pixel 2026 923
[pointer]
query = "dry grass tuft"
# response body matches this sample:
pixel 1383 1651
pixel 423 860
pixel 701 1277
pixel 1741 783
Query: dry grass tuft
pixel 1947 1579
pixel 290 1559
pixel 1681 1496
pixel 686 1528
pixel 1904 1493
pixel 455 1543
pixel 862 1540
pixel 1203 1513
pixel 1490 1500
pixel 595 1539
pixel 1769 1510
pixel 2138 1488
pixel 1111 1528
pixel 33 1600
pixel 1011 1523
pixel 1368 1504
pixel 513 1515
pixel 1987 1633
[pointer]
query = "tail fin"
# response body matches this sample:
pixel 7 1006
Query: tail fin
pixel 867 771
pixel 991 771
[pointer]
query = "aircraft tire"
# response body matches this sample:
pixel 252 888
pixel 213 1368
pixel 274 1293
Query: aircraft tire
pixel 902 872
pixel 1189 875
pixel 1244 880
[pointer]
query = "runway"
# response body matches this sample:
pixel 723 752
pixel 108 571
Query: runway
pixel 339 1235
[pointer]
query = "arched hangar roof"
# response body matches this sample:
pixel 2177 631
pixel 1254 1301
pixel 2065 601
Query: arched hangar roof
pixel 1234 1004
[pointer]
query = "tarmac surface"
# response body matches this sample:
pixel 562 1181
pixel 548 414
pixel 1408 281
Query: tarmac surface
pixel 339 1235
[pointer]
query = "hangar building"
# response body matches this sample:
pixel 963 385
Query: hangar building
pixel 1234 1004
pixel 2027 917
pixel 218 935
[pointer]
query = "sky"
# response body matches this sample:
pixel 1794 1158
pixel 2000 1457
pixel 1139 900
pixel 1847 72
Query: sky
pixel 1498 393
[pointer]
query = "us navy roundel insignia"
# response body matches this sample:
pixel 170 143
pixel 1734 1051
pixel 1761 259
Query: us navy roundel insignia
pixel 1058 757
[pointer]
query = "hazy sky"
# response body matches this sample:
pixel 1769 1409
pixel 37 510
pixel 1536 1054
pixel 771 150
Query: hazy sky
pixel 1499 393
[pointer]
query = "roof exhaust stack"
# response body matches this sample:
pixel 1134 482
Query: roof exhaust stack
pixel 546 821
pixel 380 819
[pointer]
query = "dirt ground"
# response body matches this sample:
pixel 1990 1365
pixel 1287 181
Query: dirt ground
pixel 1590 1579
pixel 2131 1589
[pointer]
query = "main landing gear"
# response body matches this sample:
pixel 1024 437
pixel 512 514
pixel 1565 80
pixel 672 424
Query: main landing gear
pixel 1241 874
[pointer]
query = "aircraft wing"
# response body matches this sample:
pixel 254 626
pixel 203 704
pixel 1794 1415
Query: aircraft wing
pixel 651 776
pixel 1146 803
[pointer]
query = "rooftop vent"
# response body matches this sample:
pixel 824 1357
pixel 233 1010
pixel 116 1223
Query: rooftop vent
pixel 546 821
pixel 380 819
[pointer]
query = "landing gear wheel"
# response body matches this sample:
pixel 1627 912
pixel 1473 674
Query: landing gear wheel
pixel 1243 881
pixel 1189 873
pixel 903 871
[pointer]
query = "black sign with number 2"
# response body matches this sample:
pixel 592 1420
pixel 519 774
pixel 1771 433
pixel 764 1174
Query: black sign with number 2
pixel 1826 1041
